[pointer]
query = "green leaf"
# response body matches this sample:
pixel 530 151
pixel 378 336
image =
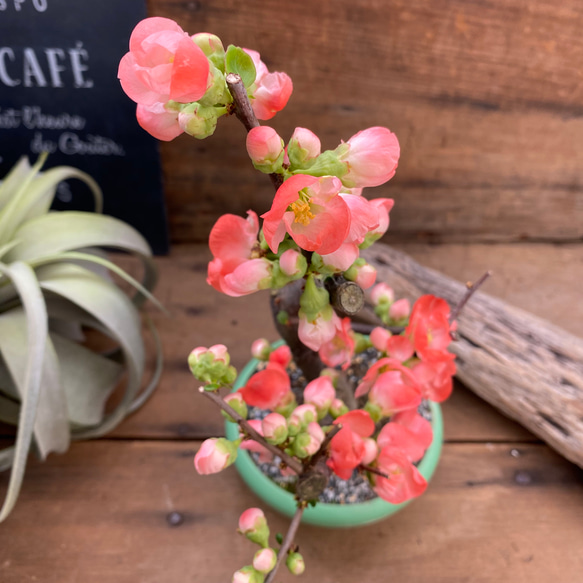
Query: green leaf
pixel 239 62
pixel 36 326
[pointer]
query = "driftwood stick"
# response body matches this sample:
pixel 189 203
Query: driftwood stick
pixel 220 402
pixel 287 542
pixel 528 368
pixel 346 297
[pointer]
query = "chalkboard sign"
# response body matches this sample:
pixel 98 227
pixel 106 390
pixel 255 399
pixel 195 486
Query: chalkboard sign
pixel 59 93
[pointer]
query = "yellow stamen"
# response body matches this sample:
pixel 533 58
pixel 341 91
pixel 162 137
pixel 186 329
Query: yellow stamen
pixel 302 211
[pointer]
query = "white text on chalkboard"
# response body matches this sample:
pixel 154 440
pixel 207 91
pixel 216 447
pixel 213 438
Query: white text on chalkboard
pixel 38 5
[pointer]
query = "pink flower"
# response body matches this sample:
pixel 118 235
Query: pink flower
pixel 404 481
pixel 400 310
pixel 236 269
pixel 160 122
pixel 380 338
pixel 264 145
pixel 409 432
pixel 435 378
pixel 347 448
pixel 317 332
pixel 267 388
pixel 273 90
pixel 372 157
pixel 400 348
pixel 383 207
pixel 214 455
pixel 163 64
pixel 429 328
pixel 320 393
pixel 340 349
pixel 310 211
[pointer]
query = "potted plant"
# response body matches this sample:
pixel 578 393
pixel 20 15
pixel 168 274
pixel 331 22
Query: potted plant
pixel 330 403
pixel 54 286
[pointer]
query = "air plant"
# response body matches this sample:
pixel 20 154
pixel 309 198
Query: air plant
pixel 55 286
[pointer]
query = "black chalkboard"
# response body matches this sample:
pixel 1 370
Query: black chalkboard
pixel 59 92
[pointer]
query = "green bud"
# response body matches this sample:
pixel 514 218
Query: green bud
pixel 287 406
pixel 198 120
pixel 374 411
pixel 326 164
pixel 338 408
pixel 218 93
pixel 253 576
pixel 361 342
pixel 212 47
pixel 301 442
pixel 235 401
pixel 314 299
pixel 295 563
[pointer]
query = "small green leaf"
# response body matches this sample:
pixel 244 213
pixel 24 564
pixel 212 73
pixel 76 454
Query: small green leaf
pixel 238 61
pixel 279 538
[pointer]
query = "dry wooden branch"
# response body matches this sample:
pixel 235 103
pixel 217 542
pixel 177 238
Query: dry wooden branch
pixel 346 297
pixel 528 368
pixel 287 542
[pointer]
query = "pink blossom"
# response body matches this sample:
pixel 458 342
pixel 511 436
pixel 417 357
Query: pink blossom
pixel 400 348
pixel 264 560
pixel 409 432
pixel 340 349
pixel 264 145
pixel 404 481
pixel 163 64
pixel 400 310
pixel 372 157
pixel 214 455
pixel 380 337
pixel 435 378
pixel 347 448
pixel 273 90
pixel 320 393
pixel 310 211
pixel 377 369
pixel 160 122
pixel 235 269
pixel 317 332
pixel 383 206
pixel 267 388
pixel 429 328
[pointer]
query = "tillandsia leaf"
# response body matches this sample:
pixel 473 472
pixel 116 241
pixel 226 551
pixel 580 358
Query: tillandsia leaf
pixel 51 428
pixel 108 309
pixel 37 332
pixel 239 62
pixel 71 230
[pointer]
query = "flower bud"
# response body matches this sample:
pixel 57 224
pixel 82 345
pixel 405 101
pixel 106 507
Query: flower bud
pixel 305 445
pixel 253 524
pixel 261 349
pixel 303 146
pixel 382 294
pixel 320 393
pixel 332 374
pixel 214 455
pixel 274 428
pixel 265 148
pixel 198 120
pixel 371 450
pixel 264 560
pixel 380 338
pixel 292 263
pixel 212 47
pixel 400 310
pixel 295 563
pixel 338 408
pixel 361 273
pixel 211 366
pixel 281 355
pixel 248 574
pixel 314 299
pixel 301 416
pixel 286 406
pixel 235 400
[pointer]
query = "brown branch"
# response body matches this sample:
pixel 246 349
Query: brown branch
pixel 295 465
pixel 472 289
pixel 324 445
pixel 245 114
pixel 363 328
pixel 373 471
pixel 287 542
pixel 346 297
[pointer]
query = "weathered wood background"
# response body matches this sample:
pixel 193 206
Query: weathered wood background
pixel 485 97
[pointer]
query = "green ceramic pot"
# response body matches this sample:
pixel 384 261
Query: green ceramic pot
pixel 328 515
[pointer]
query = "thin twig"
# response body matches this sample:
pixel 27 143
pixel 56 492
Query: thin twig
pixel 324 446
pixel 472 289
pixel 287 542
pixel 363 328
pixel 245 114
pixel 295 465
pixel 373 471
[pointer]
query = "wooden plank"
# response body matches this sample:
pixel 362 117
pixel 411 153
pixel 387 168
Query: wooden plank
pixel 486 101
pixel 99 513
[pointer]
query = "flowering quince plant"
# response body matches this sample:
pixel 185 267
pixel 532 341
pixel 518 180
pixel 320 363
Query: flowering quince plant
pixel 306 250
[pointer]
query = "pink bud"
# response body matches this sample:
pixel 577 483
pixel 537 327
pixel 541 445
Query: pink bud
pixel 289 262
pixel 264 145
pixel 214 455
pixel 252 519
pixel 316 432
pixel 400 310
pixel 274 428
pixel 220 353
pixel 338 408
pixel 380 338
pixel 366 275
pixel 305 444
pixel 307 141
pixel 264 560
pixel 305 414
pixel 382 293
pixel 260 349
pixel 320 393
pixel 295 563
pixel 371 450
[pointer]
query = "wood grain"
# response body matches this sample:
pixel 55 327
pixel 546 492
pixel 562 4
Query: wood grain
pixel 530 369
pixel 100 513
pixel 486 99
